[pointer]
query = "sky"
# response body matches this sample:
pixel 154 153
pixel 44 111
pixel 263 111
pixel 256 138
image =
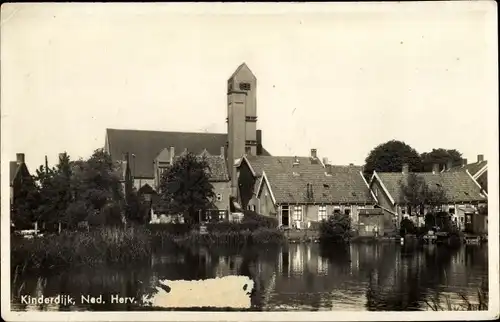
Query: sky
pixel 341 78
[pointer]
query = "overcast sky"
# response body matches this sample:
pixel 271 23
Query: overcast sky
pixel 340 78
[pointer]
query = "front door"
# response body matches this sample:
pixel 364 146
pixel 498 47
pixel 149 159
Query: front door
pixel 468 223
pixel 285 216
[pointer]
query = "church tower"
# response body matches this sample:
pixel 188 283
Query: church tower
pixel 241 117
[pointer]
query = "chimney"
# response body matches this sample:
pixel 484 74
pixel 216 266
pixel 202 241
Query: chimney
pixel 435 168
pixel 464 162
pixel 328 168
pixel 61 156
pixel 20 158
pixel 325 161
pixel 406 168
pixel 314 153
pixel 449 164
pixel 259 142
pixel 222 151
pixel 480 158
pixel 172 154
pixel 351 164
pixel 296 161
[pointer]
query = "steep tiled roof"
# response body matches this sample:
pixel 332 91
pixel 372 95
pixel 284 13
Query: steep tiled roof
pixel 146 145
pixel 472 167
pixel 13 170
pixel 459 186
pixel 289 182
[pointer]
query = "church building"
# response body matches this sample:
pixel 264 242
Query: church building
pixel 146 154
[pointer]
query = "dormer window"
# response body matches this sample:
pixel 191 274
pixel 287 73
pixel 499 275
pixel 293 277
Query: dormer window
pixel 245 86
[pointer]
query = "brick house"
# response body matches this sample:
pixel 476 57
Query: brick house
pixel 300 190
pixel 19 175
pixel 463 193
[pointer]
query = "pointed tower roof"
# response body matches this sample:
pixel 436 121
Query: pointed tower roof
pixel 241 67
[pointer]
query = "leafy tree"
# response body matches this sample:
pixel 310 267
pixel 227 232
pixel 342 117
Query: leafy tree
pixel 185 187
pixel 390 157
pixel 80 190
pixel 336 228
pixel 418 195
pixel 137 208
pixel 441 157
pixel 96 182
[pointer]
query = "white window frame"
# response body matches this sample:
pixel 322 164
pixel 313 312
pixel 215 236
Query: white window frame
pixel 322 214
pixel 347 209
pixel 336 208
pixel 297 213
pixel 222 214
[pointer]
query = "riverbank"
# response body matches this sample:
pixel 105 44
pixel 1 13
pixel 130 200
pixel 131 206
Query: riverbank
pixel 118 245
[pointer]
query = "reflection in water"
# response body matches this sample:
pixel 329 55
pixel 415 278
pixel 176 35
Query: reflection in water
pixel 292 277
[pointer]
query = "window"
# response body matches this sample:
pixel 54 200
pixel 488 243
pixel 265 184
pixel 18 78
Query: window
pixel 297 213
pixel 451 210
pixel 245 86
pixel 218 197
pixel 336 210
pixel 322 213
pixel 222 214
pixel 375 191
pixel 347 211
pixel 403 210
pixel 326 186
pixel 248 150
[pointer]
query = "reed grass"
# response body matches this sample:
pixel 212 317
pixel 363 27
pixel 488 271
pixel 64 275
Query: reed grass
pixel 118 245
pixel 466 305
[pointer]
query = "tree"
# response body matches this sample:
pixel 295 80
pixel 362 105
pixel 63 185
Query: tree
pixel 136 209
pixel 336 228
pixel 418 195
pixel 96 182
pixel 185 187
pixel 390 157
pixel 441 157
pixel 81 190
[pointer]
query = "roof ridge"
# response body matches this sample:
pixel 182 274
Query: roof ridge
pixel 158 131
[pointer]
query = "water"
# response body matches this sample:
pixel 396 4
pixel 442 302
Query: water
pixel 308 277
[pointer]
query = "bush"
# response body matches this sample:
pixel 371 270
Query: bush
pixel 337 228
pixel 262 221
pixel 407 227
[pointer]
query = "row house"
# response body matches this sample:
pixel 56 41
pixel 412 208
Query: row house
pixel 463 193
pixel 299 191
